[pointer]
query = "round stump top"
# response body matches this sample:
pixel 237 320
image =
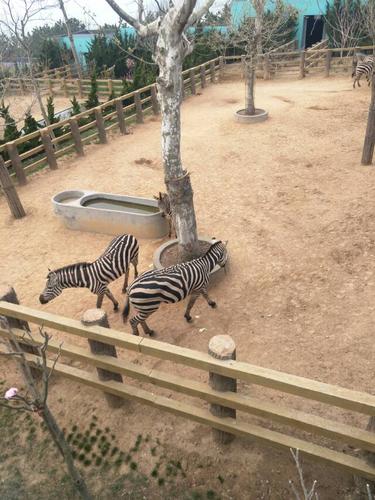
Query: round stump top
pixel 222 347
pixel 93 316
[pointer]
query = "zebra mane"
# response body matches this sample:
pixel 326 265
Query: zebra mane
pixel 213 246
pixel 69 267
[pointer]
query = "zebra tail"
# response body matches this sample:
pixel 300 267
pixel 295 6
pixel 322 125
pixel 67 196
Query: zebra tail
pixel 125 312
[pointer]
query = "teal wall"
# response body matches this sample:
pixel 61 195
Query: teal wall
pixel 242 8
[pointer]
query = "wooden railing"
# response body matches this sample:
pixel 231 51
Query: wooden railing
pixel 291 420
pixel 70 135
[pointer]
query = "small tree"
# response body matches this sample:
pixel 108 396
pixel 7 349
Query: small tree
pixel 30 126
pixel 92 99
pixel 52 118
pixel 35 399
pixel 11 133
pixel 76 108
pixel 263 32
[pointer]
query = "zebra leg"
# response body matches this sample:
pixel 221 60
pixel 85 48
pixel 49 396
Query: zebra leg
pixel 99 300
pixel 110 296
pixel 135 264
pixel 147 330
pixel 125 286
pixel 193 298
pixel 210 302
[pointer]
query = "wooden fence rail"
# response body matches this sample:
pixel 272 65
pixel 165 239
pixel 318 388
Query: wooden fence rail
pixel 294 421
pixel 70 135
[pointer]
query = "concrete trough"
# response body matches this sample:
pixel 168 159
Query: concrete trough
pixel 83 210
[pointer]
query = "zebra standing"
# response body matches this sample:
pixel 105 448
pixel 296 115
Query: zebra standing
pixel 165 208
pixel 173 284
pixel 364 67
pixel 95 276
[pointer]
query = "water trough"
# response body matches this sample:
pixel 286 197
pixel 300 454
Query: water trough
pixel 83 210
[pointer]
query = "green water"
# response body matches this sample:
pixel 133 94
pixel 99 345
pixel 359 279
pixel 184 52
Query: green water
pixel 123 206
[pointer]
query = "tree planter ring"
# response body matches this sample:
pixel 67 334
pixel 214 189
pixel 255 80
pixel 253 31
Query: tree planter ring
pixel 260 116
pixel 216 274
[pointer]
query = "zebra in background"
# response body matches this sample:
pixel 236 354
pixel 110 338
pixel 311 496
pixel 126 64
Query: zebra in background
pixel 164 205
pixel 365 67
pixel 95 276
pixel 173 284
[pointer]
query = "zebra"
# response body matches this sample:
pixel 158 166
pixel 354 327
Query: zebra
pixel 173 284
pixel 165 208
pixel 363 67
pixel 95 276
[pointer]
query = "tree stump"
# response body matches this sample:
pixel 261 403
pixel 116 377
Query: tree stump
pixel 8 294
pixel 222 347
pixel 10 192
pixel 97 317
pixel 48 148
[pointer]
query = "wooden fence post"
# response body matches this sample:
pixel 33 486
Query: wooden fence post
pixel 302 73
pixel 69 72
pixel 138 107
pixel 48 148
pixel 154 100
pixel 222 347
pixel 266 67
pixel 192 81
pixel 203 76
pixel 23 86
pixel 328 62
pixel 120 116
pixel 79 87
pixel 368 146
pixel 16 163
pixel 100 125
pixel 212 71
pixel 65 88
pixel 110 87
pixel 97 317
pixel 8 294
pixel 74 127
pixel 10 192
pixel 221 67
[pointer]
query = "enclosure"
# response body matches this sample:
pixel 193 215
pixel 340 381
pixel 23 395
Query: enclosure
pixel 298 211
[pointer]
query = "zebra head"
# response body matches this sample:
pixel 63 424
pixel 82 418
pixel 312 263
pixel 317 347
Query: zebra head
pixel 163 203
pixel 52 289
pixel 218 252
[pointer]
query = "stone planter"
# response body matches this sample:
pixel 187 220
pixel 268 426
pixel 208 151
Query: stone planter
pixel 260 116
pixel 216 274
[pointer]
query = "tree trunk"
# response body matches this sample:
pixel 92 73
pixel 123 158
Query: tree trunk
pixel 169 56
pixel 71 39
pixel 250 83
pixel 368 147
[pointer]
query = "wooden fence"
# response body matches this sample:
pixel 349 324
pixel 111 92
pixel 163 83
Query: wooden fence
pixel 70 135
pixel 291 421
pixel 301 63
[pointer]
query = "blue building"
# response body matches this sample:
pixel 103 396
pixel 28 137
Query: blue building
pixel 310 18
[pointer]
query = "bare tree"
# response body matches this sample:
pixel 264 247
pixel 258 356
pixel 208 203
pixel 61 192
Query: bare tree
pixel 256 34
pixel 368 20
pixel 15 17
pixel 35 399
pixel 307 494
pixel 344 20
pixel 71 39
pixel 171 47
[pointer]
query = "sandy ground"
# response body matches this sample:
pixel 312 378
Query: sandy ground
pixel 298 211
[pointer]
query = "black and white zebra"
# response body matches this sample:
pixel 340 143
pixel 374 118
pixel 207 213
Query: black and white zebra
pixel 173 284
pixel 95 276
pixel 165 208
pixel 364 67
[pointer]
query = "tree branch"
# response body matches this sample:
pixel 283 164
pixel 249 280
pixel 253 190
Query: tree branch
pixel 142 29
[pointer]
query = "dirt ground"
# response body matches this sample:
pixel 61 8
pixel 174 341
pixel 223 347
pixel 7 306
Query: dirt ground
pixel 299 213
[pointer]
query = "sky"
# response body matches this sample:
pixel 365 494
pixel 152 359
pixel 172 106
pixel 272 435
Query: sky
pixel 92 12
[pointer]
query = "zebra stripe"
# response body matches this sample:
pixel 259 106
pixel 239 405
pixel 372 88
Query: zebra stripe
pixel 171 285
pixel 113 263
pixel 364 67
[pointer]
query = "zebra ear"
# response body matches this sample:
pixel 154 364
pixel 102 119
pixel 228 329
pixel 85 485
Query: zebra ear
pixel 226 243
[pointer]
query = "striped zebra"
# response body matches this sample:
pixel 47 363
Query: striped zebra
pixel 363 67
pixel 165 208
pixel 173 284
pixel 95 276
